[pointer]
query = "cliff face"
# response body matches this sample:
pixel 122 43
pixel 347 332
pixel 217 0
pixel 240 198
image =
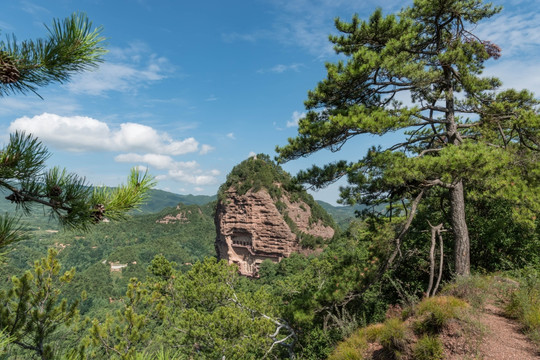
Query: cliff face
pixel 255 226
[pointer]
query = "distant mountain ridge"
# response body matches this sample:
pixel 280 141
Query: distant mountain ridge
pixel 161 199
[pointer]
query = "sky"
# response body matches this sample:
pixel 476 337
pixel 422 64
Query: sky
pixel 189 89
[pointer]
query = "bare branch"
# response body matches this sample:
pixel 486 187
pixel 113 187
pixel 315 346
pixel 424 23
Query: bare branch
pixel 404 230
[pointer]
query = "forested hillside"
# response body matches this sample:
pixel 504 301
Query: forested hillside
pixel 133 243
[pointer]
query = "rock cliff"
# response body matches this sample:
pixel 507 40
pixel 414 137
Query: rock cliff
pixel 260 215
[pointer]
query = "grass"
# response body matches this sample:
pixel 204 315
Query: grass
pixel 428 348
pixel 416 332
pixel 397 336
pixel 434 313
pixel 524 303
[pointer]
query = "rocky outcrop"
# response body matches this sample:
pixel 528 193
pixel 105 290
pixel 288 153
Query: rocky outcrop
pixel 250 228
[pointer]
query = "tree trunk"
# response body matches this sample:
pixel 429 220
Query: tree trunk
pixel 457 197
pixel 461 232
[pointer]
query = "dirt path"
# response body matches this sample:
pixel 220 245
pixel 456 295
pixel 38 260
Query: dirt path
pixel 504 340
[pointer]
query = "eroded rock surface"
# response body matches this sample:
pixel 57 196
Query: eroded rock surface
pixel 251 229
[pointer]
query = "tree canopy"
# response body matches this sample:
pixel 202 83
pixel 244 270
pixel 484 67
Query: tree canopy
pixel 419 73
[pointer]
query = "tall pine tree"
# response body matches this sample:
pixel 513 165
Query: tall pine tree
pixel 458 128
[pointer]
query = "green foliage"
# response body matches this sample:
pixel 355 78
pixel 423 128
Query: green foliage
pixel 32 311
pixel 524 303
pixel 351 349
pixel 125 332
pixel 461 135
pixel 473 289
pixel 393 337
pixel 254 174
pixel 428 348
pixel 327 296
pixel 435 312
pixel 199 314
pixel 66 195
pixel 71 46
pixel 159 200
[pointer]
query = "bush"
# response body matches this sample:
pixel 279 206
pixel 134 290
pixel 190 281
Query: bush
pixel 435 312
pixel 393 337
pixel 428 348
pixel 473 289
pixel 351 349
pixel 524 303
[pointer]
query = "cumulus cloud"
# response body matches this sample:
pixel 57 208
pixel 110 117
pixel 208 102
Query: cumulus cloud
pixel 155 160
pixel 205 149
pixel 191 177
pixel 296 116
pixel 81 133
pixel 181 171
pixel 231 136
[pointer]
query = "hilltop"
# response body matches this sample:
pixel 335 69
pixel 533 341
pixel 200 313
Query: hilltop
pixel 262 215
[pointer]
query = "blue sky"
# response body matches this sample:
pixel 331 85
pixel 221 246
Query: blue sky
pixel 191 88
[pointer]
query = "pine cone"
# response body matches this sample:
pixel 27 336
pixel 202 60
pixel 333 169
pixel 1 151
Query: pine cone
pixel 9 73
pixel 55 191
pixel 99 212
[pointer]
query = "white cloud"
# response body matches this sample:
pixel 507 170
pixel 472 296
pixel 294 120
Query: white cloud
pixel 113 77
pixel 514 33
pixel 205 149
pixel 127 70
pixel 280 68
pixel 252 154
pixel 296 116
pixel 191 177
pixel 307 23
pixel 231 136
pixel 155 160
pixel 81 133
pixel 181 171
pixel 211 98
pixel 198 189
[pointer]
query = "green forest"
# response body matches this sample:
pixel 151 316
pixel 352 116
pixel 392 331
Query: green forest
pixel 435 227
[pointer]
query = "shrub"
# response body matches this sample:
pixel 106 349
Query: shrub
pixel 473 289
pixel 351 349
pixel 524 303
pixel 393 337
pixel 428 348
pixel 435 312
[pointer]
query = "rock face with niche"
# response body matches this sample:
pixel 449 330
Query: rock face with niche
pixel 250 227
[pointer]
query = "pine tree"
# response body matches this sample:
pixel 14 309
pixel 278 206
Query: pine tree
pixel 459 129
pixel 32 311
pixel 72 46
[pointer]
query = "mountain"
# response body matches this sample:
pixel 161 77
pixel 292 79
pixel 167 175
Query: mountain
pixel 342 215
pixel 106 257
pixel 160 199
pixel 261 215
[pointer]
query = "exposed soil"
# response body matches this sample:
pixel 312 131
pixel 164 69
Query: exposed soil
pixel 503 339
pixel 488 336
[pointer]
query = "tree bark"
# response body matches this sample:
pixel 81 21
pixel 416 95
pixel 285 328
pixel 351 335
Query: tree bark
pixel 457 197
pixel 461 231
